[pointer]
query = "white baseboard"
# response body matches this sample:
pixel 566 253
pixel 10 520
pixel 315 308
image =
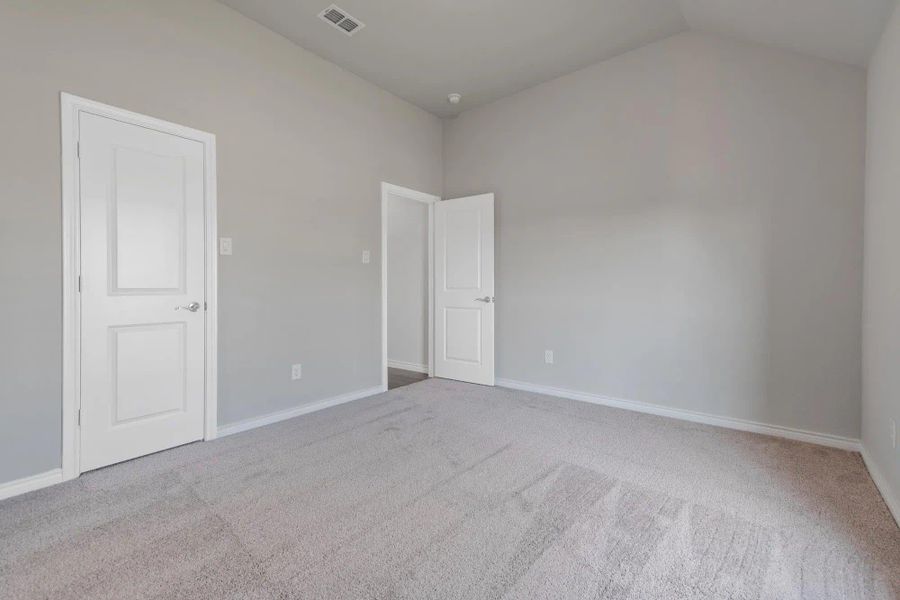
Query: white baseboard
pixel 407 366
pixel 31 483
pixel 42 480
pixel 812 437
pixel 290 413
pixel 892 501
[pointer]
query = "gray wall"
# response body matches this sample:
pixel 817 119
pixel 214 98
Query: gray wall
pixel 881 315
pixel 682 225
pixel 302 148
pixel 407 280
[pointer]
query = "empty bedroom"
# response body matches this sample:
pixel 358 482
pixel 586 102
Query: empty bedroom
pixel 450 299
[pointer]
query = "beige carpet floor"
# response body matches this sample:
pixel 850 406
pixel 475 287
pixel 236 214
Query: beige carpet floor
pixel 447 490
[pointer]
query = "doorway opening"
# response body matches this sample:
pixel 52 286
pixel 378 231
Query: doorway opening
pixel 407 285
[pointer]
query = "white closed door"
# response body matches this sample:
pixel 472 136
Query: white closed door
pixel 142 260
pixel 464 289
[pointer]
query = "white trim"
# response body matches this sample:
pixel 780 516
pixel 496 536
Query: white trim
pixel 801 435
pixel 71 260
pixel 70 108
pixel 31 483
pixel 407 366
pixel 881 482
pixel 290 413
pixel 388 189
pixel 211 407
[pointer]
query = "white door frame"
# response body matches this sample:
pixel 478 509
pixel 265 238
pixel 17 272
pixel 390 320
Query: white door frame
pixel 70 109
pixel 388 189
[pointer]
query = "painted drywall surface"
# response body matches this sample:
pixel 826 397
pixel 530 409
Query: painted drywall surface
pixel 302 149
pixel 881 312
pixel 407 280
pixel 681 225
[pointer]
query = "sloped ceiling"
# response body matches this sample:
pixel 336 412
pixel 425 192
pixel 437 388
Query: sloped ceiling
pixel 841 30
pixel 424 50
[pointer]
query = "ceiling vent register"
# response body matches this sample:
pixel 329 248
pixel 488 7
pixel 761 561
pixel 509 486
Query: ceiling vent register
pixel 340 20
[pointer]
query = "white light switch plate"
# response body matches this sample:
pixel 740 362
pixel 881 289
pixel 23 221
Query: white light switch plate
pixel 225 246
pixel 548 357
pixel 297 371
pixel 366 257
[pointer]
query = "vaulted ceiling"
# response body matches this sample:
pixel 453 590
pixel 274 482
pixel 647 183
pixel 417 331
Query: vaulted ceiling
pixel 423 50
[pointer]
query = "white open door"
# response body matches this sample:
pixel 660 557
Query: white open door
pixel 464 289
pixel 142 290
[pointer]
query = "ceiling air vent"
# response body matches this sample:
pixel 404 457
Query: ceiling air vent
pixel 339 19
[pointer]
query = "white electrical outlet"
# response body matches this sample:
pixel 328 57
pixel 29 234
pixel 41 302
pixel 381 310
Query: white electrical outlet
pixel 225 246
pixel 893 434
pixel 296 371
pixel 548 357
pixel 366 257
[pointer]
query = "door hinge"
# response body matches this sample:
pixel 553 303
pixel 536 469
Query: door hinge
pixel 78 417
pixel 205 307
pixel 79 284
pixel 78 149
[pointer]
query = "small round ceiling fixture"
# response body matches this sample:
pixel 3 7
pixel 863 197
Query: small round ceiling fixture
pixel 454 98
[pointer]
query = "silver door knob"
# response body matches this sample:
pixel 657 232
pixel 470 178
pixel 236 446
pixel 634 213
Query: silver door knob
pixel 487 299
pixel 193 307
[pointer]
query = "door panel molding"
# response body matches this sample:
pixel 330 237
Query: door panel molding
pixel 71 107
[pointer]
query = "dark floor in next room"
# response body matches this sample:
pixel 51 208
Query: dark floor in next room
pixel 400 377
